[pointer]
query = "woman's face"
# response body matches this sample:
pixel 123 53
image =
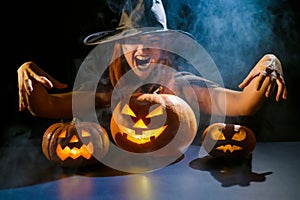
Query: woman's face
pixel 142 54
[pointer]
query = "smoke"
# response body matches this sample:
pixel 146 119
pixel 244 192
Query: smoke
pixel 22 160
pixel 236 33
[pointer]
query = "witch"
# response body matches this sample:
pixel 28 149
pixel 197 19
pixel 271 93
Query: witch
pixel 144 49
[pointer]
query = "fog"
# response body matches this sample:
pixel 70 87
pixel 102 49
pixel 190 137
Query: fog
pixel 236 33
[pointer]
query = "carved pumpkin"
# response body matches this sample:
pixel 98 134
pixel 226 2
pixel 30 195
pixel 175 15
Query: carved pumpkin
pixel 73 144
pixel 228 140
pixel 149 122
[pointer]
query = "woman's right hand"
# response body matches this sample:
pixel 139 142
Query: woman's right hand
pixel 32 79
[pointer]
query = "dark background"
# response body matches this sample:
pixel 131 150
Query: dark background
pixel 235 33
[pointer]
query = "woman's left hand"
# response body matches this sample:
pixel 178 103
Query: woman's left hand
pixel 268 66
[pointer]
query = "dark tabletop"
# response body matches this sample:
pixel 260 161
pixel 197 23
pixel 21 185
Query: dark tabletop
pixel 271 173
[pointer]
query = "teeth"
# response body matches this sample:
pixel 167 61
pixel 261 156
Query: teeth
pixel 140 57
pixel 142 61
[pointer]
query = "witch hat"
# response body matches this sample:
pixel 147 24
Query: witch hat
pixel 138 17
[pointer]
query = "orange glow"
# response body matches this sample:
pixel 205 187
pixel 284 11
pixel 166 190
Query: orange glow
pixel 240 136
pixel 229 147
pixel 217 134
pixel 84 133
pixel 144 137
pixel 156 112
pixel 85 151
pixel 127 111
pixel 63 134
pixel 140 124
pixel 74 139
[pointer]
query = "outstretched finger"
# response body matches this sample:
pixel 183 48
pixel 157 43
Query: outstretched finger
pixel 261 81
pixel 281 92
pixel 45 81
pixel 270 88
pixel 247 80
pixel 284 95
pixel 49 82
pixel 58 84
pixel 38 75
pixel 21 102
pixel 24 83
pixel 28 86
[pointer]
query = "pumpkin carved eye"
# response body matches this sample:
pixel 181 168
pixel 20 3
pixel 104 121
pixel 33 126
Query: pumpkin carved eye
pixel 84 133
pixel 239 136
pixel 63 134
pixel 228 140
pixel 74 139
pixel 127 111
pixel 146 126
pixel 144 136
pixel 156 112
pixel 217 134
pixel 75 144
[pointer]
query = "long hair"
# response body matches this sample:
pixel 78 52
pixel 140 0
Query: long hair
pixel 118 65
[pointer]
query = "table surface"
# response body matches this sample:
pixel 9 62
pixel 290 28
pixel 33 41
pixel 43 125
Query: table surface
pixel 271 173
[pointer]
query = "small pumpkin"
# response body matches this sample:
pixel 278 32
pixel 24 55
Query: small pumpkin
pixel 228 140
pixel 149 122
pixel 75 144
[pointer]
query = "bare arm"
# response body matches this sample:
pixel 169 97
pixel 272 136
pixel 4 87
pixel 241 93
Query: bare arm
pixel 42 104
pixel 257 86
pixel 34 84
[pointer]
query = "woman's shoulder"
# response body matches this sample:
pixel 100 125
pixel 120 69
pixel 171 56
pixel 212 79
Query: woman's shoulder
pixel 183 77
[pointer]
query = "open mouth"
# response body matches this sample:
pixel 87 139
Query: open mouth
pixel 144 136
pixel 142 62
pixel 85 151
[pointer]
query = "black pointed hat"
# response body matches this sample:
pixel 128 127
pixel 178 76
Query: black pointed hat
pixel 138 17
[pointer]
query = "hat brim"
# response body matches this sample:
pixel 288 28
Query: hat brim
pixel 115 35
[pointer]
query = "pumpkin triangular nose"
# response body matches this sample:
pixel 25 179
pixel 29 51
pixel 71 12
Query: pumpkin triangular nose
pixel 140 124
pixel 74 139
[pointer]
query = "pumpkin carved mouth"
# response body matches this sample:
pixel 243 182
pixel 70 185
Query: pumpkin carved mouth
pixel 228 140
pixel 85 151
pixel 144 136
pixel 229 147
pixel 75 143
pixel 151 122
pixel 141 132
pixel 77 149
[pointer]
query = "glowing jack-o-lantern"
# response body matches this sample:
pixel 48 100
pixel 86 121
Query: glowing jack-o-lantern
pixel 149 122
pixel 75 144
pixel 228 140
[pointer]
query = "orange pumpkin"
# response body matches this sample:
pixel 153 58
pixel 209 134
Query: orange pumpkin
pixel 228 140
pixel 73 144
pixel 150 122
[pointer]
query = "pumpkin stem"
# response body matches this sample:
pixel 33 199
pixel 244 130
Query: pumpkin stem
pixel 73 120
